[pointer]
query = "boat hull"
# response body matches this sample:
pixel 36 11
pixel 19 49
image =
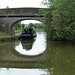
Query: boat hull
pixel 28 36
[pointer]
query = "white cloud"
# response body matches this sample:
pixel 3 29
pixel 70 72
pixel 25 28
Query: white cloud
pixel 20 3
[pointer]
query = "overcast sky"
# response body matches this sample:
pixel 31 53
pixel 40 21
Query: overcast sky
pixel 20 4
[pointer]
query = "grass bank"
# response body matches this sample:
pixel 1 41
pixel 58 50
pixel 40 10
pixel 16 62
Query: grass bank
pixel 8 38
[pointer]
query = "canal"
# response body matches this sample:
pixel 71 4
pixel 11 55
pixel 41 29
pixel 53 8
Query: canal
pixel 37 57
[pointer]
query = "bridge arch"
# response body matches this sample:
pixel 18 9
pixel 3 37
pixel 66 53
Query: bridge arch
pixel 16 20
pixel 13 15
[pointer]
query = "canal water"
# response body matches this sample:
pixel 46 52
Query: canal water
pixel 37 57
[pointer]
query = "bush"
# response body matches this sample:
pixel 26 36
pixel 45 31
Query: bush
pixel 61 20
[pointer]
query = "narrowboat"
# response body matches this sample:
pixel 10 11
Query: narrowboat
pixel 28 33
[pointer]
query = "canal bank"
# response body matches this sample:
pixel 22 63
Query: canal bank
pixel 8 38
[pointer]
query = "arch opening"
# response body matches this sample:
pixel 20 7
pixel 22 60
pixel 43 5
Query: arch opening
pixel 17 27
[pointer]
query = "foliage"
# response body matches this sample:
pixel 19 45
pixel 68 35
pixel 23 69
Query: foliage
pixel 37 25
pixel 60 18
pixel 3 38
pixel 1 12
pixel 19 26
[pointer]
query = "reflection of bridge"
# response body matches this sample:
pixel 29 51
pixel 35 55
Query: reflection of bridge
pixel 10 58
pixel 13 15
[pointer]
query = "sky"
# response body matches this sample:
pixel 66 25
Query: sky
pixel 22 4
pixel 29 21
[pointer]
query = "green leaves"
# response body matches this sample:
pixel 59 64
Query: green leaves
pixel 61 20
pixel 1 12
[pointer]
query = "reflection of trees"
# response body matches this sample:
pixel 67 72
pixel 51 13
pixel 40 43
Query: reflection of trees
pixel 60 58
pixel 16 43
pixel 27 44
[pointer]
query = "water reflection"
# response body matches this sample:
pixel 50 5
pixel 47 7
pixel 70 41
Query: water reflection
pixel 32 47
pixel 14 71
pixel 58 58
pixel 27 44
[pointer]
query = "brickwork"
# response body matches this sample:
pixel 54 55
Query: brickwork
pixel 7 23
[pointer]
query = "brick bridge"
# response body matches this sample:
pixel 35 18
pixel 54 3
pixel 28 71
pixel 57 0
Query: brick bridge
pixel 11 16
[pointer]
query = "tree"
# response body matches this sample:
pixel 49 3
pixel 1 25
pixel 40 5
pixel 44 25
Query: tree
pixel 31 24
pixel 60 18
pixel 37 25
pixel 18 26
pixel 23 26
pixel 1 12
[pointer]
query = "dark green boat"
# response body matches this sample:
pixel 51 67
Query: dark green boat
pixel 28 33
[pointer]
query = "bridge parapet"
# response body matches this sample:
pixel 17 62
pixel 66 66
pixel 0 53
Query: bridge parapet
pixel 21 11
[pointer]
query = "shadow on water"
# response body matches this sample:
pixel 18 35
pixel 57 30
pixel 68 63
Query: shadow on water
pixel 57 59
